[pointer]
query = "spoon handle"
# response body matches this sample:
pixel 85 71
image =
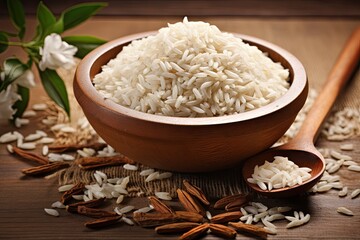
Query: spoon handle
pixel 340 73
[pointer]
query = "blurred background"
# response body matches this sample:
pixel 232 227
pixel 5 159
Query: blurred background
pixel 250 8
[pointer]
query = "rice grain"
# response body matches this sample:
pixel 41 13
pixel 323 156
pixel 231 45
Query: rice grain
pixel 345 211
pixel 52 212
pixel 355 193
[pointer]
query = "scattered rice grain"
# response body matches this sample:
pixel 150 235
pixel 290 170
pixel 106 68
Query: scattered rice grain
pixel 163 195
pixel 345 211
pixel 65 188
pixel 355 193
pixel 355 168
pixel 39 106
pixel 130 167
pixel 52 212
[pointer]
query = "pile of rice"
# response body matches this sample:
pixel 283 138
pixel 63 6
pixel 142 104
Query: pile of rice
pixel 192 69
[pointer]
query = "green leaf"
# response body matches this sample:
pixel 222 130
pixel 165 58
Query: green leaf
pixel 84 44
pixel 17 14
pixel 55 88
pixel 77 14
pixel 46 18
pixel 21 105
pixel 3 42
pixel 13 69
pixel 58 27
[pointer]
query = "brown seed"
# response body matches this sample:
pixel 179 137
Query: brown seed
pixel 45 169
pixel 96 162
pixel 189 203
pixel 237 204
pixel 74 147
pixel 92 203
pixel 159 205
pixel 221 203
pixel 30 156
pixel 189 216
pixel 76 189
pixel 94 213
pixel 222 231
pixel 153 219
pixel 176 227
pixel 249 228
pixel 196 192
pixel 102 222
pixel 226 217
pixel 195 232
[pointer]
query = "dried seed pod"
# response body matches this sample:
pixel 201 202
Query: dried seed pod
pixel 195 232
pixel 221 203
pixel 196 192
pixel 30 156
pixel 249 228
pixel 237 203
pixel 176 227
pixel 222 231
pixel 189 203
pixel 92 203
pixel 96 162
pixel 189 216
pixel 102 222
pixel 76 189
pixel 159 205
pixel 73 147
pixel 45 169
pixel 226 217
pixel 94 213
pixel 153 219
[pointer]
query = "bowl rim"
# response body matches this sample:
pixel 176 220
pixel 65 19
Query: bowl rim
pixel 84 82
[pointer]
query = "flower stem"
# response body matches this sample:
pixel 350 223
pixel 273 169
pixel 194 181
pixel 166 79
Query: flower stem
pixel 18 44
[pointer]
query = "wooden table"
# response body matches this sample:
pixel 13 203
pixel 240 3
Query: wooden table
pixel 315 41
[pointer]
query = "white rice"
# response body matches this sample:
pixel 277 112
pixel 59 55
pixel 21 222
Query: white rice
pixel 130 167
pixel 47 140
pixel 10 148
pixel 45 150
pixel 343 192
pixel 279 174
pixel 65 188
pixel 126 209
pixel 52 212
pixel 29 113
pixel 192 69
pixel 127 221
pixel 347 147
pixel 8 137
pixel 355 168
pixel 27 146
pixel 345 211
pixel 39 106
pixel 58 204
pixel 355 193
pixel 163 195
pixel 143 210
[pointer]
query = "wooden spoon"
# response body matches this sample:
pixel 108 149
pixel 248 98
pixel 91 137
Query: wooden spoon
pixel 301 149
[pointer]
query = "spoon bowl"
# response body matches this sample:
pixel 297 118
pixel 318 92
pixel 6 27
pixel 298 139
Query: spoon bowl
pixel 314 161
pixel 301 149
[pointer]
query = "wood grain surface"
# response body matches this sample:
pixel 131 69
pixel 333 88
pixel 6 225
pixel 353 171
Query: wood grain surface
pixel 316 42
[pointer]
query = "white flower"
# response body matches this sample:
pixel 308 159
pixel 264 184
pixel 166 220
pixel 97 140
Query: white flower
pixel 56 53
pixel 26 80
pixel 9 96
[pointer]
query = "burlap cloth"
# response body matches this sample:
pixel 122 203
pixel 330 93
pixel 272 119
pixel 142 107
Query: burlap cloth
pixel 214 184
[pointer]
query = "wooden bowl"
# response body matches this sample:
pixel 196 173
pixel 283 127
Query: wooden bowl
pixel 188 144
